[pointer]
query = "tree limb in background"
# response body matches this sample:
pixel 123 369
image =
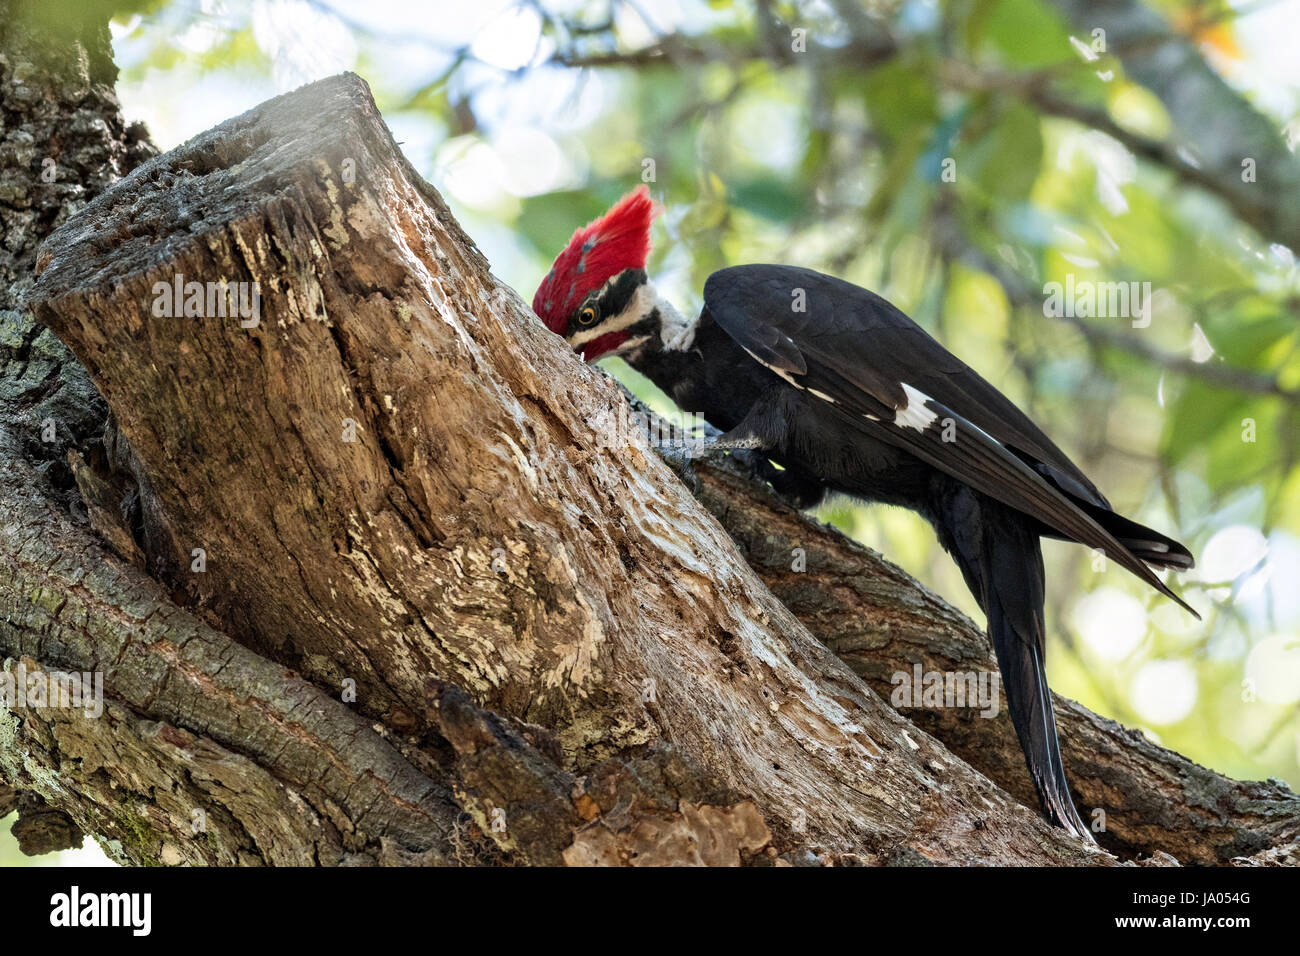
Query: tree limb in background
pixel 1215 127
pixel 953 245
pixel 1212 122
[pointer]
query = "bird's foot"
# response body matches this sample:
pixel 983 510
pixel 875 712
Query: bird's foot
pixel 737 450
pixel 712 446
pixel 679 460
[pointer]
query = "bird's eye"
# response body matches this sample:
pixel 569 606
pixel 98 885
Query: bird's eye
pixel 587 316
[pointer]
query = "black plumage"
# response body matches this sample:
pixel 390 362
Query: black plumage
pixel 848 394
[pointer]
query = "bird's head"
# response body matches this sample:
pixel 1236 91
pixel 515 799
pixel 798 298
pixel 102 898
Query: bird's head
pixel 597 294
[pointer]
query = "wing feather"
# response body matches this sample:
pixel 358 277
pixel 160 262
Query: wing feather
pixel 868 342
pixel 894 382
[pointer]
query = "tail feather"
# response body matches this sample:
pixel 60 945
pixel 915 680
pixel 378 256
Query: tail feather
pixel 1150 546
pixel 999 555
pixel 1029 699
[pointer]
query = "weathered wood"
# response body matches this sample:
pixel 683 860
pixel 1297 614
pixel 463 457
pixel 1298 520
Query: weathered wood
pixel 217 715
pixel 880 622
pixel 208 754
pixel 487 528
pixel 143 785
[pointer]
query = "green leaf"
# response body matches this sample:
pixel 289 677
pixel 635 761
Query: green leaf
pixel 1203 415
pixel 901 97
pixel 1029 33
pixel 771 197
pixel 1004 163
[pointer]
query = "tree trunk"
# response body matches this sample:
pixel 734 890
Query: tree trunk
pixel 378 578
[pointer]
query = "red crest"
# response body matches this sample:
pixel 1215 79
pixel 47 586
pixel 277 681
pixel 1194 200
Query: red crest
pixel 602 249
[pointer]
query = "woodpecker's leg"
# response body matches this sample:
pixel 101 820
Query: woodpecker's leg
pixel 796 489
pixel 730 441
pixel 712 444
pixel 750 445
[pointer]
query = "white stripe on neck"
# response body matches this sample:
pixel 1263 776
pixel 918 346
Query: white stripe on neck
pixel 676 334
pixel 675 330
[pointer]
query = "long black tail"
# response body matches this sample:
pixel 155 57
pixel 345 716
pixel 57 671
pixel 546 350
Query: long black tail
pixel 998 552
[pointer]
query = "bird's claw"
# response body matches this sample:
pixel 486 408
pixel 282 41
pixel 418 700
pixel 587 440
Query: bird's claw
pixel 712 447
pixel 679 460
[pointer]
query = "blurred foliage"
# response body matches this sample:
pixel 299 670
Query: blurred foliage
pixel 9 853
pixel 532 117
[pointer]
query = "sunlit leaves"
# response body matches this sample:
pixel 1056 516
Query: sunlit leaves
pixel 1026 33
pixel 901 97
pixel 976 310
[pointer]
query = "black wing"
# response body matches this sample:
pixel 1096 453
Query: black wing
pixel 876 366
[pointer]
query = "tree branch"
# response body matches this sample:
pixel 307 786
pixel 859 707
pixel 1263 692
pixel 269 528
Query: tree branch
pixel 1212 122
pixel 881 622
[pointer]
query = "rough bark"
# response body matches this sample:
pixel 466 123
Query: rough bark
pixel 631 692
pixel 62 141
pixel 182 697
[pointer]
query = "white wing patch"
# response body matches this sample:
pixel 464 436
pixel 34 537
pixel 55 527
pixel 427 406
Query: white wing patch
pixel 793 381
pixel 772 368
pixel 914 414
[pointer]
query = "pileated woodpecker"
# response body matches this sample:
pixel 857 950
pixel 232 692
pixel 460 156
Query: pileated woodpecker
pixel 848 394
